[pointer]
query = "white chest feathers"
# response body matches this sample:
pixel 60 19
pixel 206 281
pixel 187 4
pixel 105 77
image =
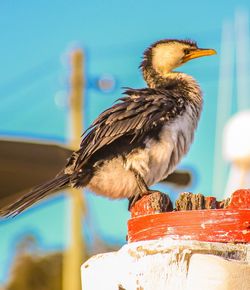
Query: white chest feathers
pixel 161 155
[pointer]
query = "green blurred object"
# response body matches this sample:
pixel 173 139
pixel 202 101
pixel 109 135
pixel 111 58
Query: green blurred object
pixel 34 269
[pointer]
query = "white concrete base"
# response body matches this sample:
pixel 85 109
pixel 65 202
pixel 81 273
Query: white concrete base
pixel 208 272
pixel 170 265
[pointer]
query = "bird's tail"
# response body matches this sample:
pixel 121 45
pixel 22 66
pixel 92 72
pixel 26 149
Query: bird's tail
pixel 34 195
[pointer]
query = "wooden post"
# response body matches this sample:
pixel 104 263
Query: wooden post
pixel 204 249
pixel 74 254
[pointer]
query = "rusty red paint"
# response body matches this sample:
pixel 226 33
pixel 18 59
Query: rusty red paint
pixel 240 199
pixel 220 225
pixel 142 207
pixel 213 225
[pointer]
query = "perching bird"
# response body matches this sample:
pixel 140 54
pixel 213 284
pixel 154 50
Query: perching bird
pixel 139 140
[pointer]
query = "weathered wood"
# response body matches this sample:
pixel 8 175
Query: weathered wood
pixel 156 202
pixel 190 201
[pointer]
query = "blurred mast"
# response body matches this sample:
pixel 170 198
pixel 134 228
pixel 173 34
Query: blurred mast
pixel 74 254
pixel 242 59
pixel 224 105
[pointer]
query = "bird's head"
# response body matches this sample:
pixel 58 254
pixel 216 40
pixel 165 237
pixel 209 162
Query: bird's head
pixel 166 55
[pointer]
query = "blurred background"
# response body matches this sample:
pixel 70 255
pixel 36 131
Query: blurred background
pixel 54 51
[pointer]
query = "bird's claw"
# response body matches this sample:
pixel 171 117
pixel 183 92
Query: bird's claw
pixel 133 199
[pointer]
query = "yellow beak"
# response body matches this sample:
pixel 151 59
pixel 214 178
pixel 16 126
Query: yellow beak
pixel 199 52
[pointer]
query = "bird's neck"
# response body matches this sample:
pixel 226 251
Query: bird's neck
pixel 181 81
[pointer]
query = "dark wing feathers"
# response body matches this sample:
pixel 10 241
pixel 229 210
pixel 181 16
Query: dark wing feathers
pixel 136 114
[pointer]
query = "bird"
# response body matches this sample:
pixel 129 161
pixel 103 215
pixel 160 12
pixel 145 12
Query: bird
pixel 141 138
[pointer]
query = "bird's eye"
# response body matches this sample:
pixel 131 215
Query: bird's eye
pixel 186 51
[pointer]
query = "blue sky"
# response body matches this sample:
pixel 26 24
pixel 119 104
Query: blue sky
pixel 36 38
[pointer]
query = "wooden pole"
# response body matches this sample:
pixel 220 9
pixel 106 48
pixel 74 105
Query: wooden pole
pixel 74 254
pixel 76 98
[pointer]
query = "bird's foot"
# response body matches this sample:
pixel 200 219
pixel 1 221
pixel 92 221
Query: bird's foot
pixel 132 200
